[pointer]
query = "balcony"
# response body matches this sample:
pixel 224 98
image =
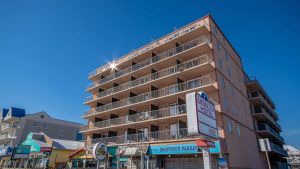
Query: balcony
pixel 278 149
pixel 189 31
pixel 264 129
pixel 194 63
pixel 145 137
pixel 262 114
pixel 7 128
pixel 254 85
pixel 143 117
pixel 257 97
pixel 190 85
pixel 162 56
pixel 5 138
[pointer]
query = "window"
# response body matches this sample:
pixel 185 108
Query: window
pixel 215 30
pixel 45 125
pixel 173 130
pixel 173 109
pixel 229 126
pixel 226 56
pixel 221 63
pixel 223 83
pixel 35 124
pixel 234 109
pixel 226 103
pixel 143 133
pixel 238 130
pixel 229 72
pixel 218 46
pixel 232 91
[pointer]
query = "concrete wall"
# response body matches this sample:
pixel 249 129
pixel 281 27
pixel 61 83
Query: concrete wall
pixel 240 142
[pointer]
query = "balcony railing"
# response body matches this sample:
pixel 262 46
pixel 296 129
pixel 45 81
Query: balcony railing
pixel 170 53
pixel 154 76
pixel 145 137
pixel 139 117
pixel 266 127
pixel 6 136
pixel 265 101
pixel 260 109
pixel 278 149
pixel 177 88
pixel 6 126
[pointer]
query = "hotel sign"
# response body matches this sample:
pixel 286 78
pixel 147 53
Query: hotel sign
pixel 201 115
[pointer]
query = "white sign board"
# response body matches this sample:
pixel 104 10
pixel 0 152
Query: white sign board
pixel 201 115
pixel 264 144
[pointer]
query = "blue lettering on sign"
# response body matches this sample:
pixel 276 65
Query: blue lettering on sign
pixel 174 149
pixel 190 148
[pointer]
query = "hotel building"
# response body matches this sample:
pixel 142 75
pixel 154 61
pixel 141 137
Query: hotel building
pixel 139 101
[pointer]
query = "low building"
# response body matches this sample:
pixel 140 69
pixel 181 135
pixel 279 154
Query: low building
pixel 293 156
pixel 10 120
pixel 16 125
pixel 45 151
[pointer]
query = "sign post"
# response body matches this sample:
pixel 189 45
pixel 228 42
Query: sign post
pixel 100 153
pixel 201 117
pixel 265 146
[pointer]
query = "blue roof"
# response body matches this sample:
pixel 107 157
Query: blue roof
pixel 17 112
pixel 4 112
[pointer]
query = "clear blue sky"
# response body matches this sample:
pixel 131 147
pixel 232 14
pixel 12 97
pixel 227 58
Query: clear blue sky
pixel 48 47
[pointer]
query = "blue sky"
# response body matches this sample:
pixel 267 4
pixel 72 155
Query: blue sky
pixel 48 47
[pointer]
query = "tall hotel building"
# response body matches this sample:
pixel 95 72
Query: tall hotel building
pixel 138 104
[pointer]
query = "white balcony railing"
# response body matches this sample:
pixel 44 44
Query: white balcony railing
pixel 170 53
pixel 145 137
pixel 139 117
pixel 6 136
pixel 177 88
pixel 154 44
pixel 154 76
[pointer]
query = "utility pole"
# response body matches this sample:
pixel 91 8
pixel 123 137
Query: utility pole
pixel 267 154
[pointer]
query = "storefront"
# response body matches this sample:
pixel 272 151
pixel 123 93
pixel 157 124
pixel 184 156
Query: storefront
pixel 39 152
pixel 180 155
pixel 19 156
pixel 83 158
pixel 131 156
pixel 5 156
